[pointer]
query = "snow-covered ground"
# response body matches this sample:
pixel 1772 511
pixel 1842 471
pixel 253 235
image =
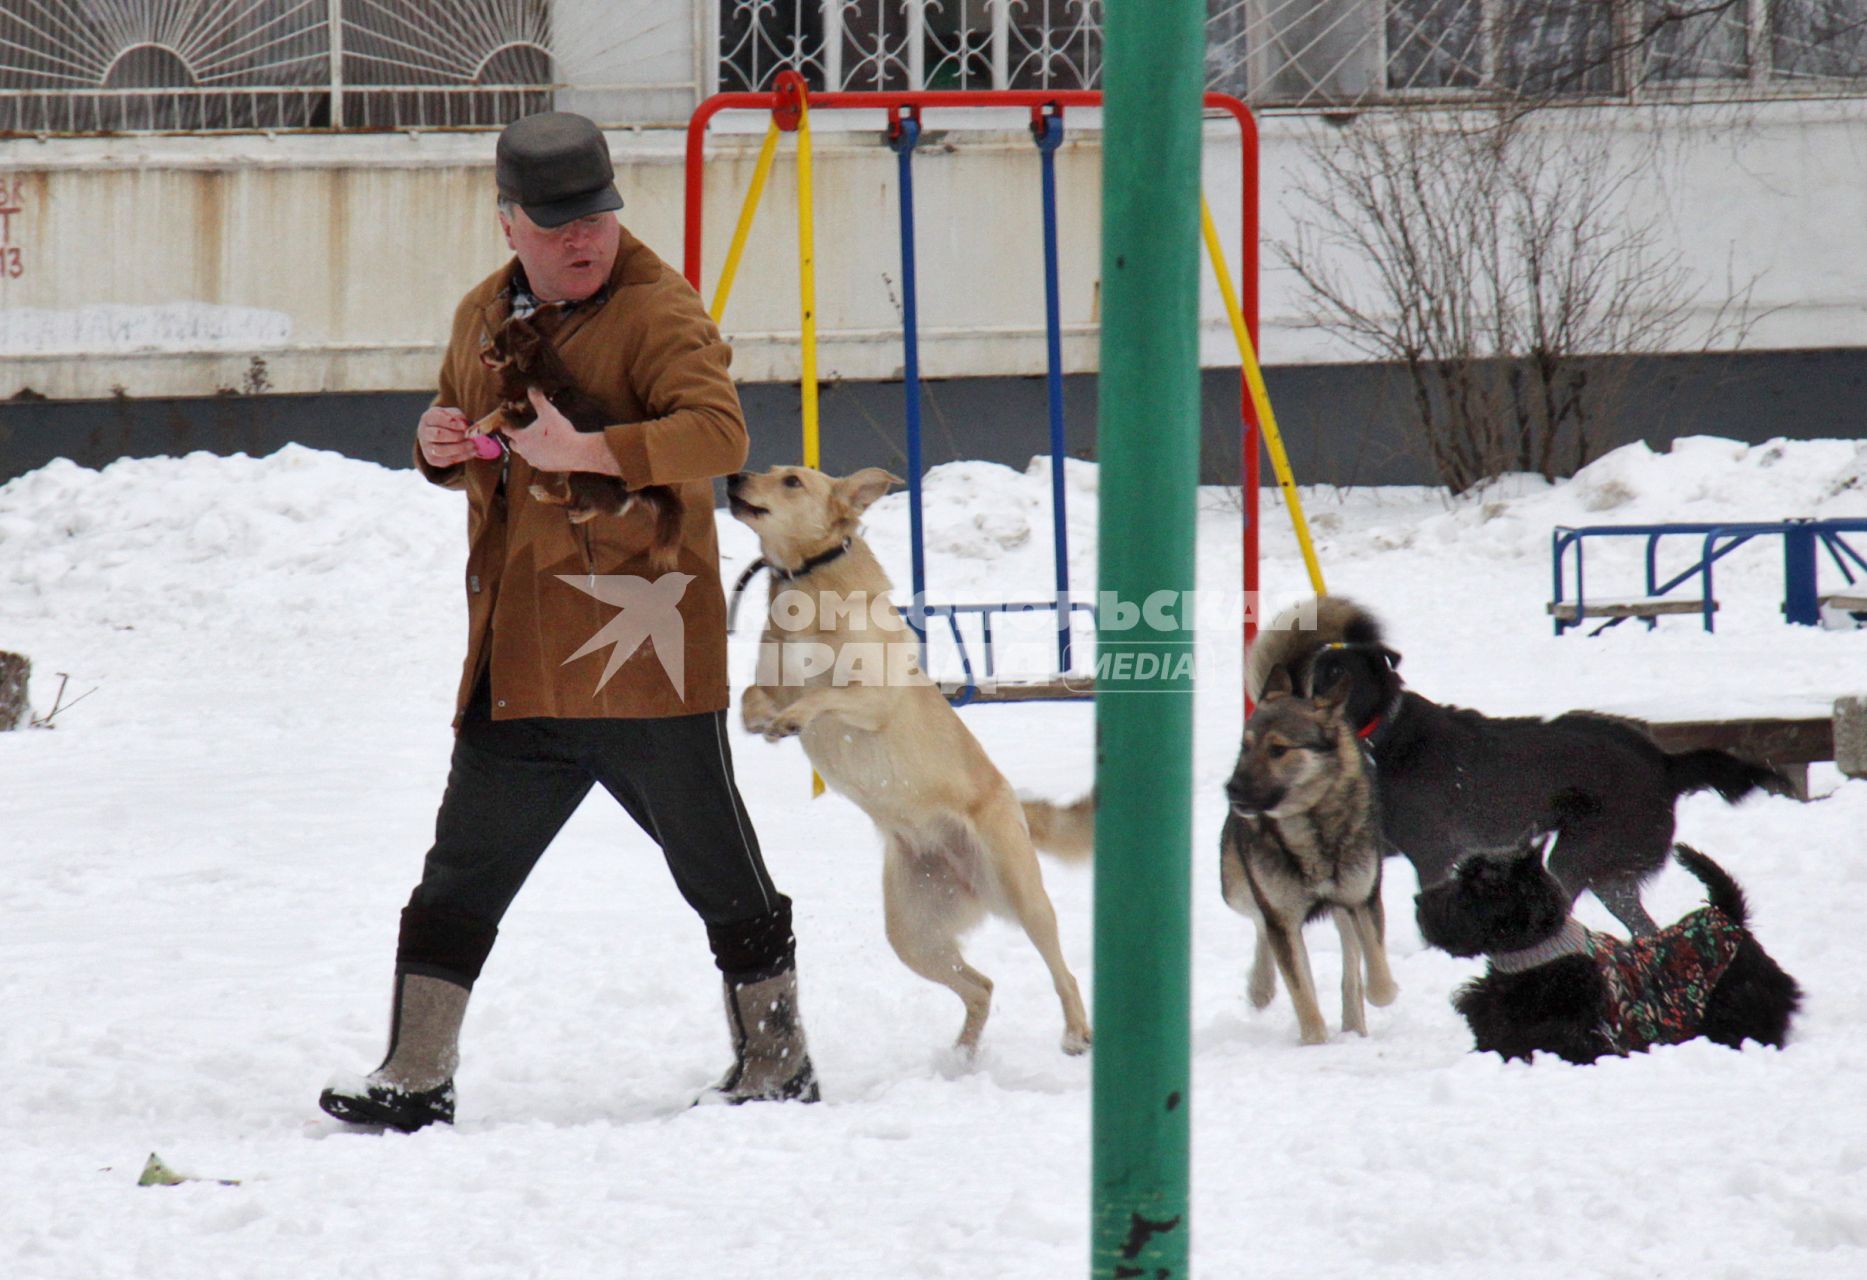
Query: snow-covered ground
pixel 204 862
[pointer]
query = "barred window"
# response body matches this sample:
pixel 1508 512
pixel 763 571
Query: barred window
pixel 419 63
pixel 1819 39
pixel 760 38
pixel 885 45
pixel 1594 48
pixel 85 66
pixel 1557 47
pixel 1696 41
pixel 79 66
pixel 1436 44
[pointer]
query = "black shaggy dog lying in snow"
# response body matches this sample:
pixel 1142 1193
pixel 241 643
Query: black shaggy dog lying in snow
pixel 1554 986
pixel 1450 780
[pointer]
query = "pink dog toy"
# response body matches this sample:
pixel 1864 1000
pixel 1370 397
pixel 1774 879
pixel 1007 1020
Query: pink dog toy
pixel 487 447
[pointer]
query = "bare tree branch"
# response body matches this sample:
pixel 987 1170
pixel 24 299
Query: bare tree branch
pixel 1504 264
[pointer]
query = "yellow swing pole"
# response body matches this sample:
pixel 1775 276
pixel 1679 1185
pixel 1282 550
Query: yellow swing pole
pixel 744 230
pixel 806 270
pixel 807 280
pixel 1260 398
pixel 807 298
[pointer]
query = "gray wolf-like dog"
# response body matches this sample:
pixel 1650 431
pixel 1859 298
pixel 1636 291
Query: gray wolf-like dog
pixel 838 669
pixel 1300 842
pixel 1555 986
pixel 1450 780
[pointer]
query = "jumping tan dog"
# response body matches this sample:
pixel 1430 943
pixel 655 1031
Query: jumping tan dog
pixel 838 667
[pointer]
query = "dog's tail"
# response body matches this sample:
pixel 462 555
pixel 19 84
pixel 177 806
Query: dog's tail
pixel 1068 830
pixel 1721 891
pixel 1294 637
pixel 1724 773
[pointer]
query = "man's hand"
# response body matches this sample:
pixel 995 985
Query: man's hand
pixel 442 434
pixel 550 443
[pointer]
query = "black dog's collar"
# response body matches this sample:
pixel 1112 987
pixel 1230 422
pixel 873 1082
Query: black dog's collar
pixel 811 564
pixel 1570 940
pixel 1375 733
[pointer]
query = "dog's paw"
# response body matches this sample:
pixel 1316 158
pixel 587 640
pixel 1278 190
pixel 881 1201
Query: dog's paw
pixel 780 727
pixel 755 709
pixel 1383 995
pixel 1262 988
pixel 1076 1043
pixel 1317 1034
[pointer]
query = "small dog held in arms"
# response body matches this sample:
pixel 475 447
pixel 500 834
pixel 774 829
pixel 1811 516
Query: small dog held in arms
pixel 1450 780
pixel 521 356
pixel 838 668
pixel 1301 841
pixel 1556 986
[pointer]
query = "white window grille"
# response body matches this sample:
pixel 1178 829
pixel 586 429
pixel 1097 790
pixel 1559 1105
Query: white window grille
pixel 74 66
pixel 79 66
pixel 879 45
pixel 1816 40
pixel 463 62
pixel 1321 53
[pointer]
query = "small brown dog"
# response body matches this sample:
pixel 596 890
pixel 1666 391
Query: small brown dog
pixel 521 357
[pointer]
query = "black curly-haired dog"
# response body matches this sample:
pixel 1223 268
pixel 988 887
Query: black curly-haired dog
pixel 1556 986
pixel 1451 780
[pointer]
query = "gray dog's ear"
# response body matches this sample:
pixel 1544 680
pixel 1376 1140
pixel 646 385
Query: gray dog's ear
pixel 857 491
pixel 1278 683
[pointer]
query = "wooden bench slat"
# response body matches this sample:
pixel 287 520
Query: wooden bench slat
pixel 1788 746
pixel 1649 607
pixel 991 690
pixel 1779 741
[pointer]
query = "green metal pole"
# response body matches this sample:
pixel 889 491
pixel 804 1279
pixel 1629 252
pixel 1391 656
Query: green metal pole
pixel 1148 441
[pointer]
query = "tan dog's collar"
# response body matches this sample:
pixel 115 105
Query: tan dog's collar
pixel 789 575
pixel 811 563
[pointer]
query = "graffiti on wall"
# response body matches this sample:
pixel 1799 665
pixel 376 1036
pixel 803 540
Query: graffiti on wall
pixel 12 197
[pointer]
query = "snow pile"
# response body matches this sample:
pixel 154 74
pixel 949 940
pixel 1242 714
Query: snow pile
pixel 206 859
pixel 233 542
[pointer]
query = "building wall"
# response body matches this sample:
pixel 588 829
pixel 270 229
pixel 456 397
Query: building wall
pixel 187 266
pixel 1338 418
pixel 237 291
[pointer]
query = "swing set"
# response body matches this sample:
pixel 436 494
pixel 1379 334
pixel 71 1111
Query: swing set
pixel 789 104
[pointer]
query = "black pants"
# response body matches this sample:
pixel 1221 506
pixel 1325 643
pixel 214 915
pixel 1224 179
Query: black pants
pixel 514 783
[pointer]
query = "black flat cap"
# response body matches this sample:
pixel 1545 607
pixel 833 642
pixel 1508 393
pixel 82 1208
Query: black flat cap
pixel 555 166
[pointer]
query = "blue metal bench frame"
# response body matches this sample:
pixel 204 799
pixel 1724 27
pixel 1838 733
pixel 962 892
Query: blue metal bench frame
pixel 1801 539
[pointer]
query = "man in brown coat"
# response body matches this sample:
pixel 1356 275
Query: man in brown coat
pixel 585 663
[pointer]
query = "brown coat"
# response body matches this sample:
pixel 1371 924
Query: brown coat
pixel 654 359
